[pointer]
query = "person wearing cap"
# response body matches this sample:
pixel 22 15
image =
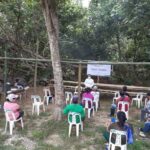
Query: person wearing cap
pixel 11 105
pixel 89 82
pixel 146 109
pixel 146 127
pixel 75 107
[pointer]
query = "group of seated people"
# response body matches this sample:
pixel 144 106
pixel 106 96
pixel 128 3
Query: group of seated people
pixel 120 123
pixel 79 107
pixel 145 112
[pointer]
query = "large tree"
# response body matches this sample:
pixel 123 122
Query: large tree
pixel 51 21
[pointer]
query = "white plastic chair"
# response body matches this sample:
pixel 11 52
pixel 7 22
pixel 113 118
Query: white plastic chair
pixel 76 89
pixel 96 96
pixel 138 99
pixel 74 117
pixel 11 119
pixel 37 102
pixel 117 142
pixel 122 107
pixel 47 95
pixel 68 97
pixel 116 96
pixel 87 102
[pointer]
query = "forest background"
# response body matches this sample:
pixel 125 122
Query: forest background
pixel 109 30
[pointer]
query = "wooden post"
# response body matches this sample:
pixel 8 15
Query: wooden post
pixel 97 79
pixel 35 71
pixel 79 79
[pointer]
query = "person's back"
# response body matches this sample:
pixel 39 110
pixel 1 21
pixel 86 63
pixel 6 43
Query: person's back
pixel 95 92
pixel 87 96
pixel 123 98
pixel 75 107
pixel 122 125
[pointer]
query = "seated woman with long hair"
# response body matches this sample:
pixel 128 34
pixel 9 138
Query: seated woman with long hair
pixel 123 97
pixel 120 125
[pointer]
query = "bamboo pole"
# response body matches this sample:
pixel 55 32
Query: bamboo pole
pixel 111 86
pixel 77 62
pixel 98 79
pixel 79 79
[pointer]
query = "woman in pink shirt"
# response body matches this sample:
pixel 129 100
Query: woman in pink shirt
pixel 11 105
pixel 87 95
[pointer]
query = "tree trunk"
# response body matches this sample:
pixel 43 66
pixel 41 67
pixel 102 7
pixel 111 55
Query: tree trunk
pixel 51 21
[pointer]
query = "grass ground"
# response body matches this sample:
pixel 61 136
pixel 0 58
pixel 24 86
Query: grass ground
pixel 43 133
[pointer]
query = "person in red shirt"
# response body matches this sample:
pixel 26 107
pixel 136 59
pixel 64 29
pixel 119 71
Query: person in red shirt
pixel 123 97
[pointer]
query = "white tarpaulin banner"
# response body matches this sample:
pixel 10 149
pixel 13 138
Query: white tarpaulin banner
pixel 99 70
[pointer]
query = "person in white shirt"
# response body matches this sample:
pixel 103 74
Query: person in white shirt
pixel 89 82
